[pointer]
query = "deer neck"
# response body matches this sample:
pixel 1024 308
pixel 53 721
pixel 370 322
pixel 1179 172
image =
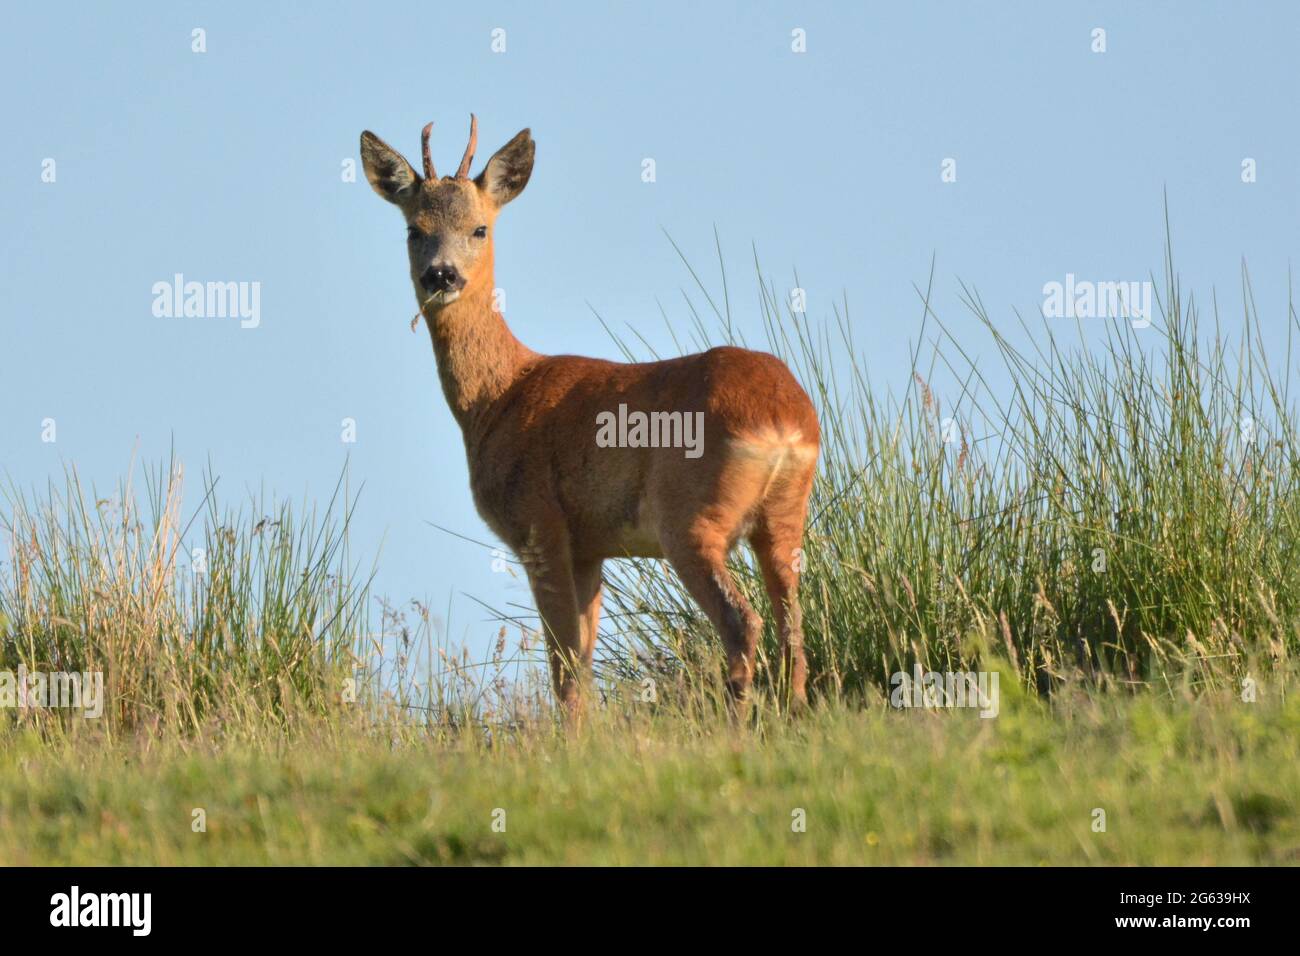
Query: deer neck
pixel 478 356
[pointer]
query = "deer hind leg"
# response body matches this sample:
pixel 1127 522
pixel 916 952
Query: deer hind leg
pixel 549 564
pixel 700 559
pixel 777 540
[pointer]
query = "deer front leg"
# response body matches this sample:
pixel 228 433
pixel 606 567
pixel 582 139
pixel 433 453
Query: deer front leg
pixel 587 586
pixel 549 565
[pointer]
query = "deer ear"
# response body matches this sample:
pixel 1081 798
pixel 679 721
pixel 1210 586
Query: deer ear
pixel 507 172
pixel 388 171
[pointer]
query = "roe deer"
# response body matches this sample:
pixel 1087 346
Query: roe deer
pixel 542 472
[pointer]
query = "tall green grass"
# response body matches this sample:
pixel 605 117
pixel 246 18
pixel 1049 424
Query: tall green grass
pixel 1125 514
pixel 210 618
pixel 253 610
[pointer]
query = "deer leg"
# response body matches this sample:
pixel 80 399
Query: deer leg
pixel 776 540
pixel 551 577
pixel 587 587
pixel 700 560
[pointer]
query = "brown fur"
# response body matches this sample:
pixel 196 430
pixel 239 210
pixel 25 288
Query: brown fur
pixel 564 504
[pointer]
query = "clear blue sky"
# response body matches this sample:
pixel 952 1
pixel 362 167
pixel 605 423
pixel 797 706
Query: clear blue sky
pixel 226 166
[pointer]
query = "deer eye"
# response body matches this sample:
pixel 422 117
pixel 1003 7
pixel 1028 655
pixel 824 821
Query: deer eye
pixel 480 232
pixel 412 234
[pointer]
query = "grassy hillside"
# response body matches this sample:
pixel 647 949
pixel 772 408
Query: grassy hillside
pixel 1205 781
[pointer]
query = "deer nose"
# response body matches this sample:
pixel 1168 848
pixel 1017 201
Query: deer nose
pixel 441 277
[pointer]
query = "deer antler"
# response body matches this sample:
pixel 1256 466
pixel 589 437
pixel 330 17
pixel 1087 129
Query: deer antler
pixel 429 172
pixel 463 171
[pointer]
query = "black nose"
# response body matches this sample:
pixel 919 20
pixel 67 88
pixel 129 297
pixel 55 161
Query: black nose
pixel 440 278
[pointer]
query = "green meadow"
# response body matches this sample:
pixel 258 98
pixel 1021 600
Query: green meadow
pixel 1189 779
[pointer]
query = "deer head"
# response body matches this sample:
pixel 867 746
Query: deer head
pixel 449 221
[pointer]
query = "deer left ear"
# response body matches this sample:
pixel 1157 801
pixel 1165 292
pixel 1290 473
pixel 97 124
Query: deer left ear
pixel 507 172
pixel 387 170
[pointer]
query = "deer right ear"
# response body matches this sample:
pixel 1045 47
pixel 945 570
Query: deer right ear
pixel 387 170
pixel 507 172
